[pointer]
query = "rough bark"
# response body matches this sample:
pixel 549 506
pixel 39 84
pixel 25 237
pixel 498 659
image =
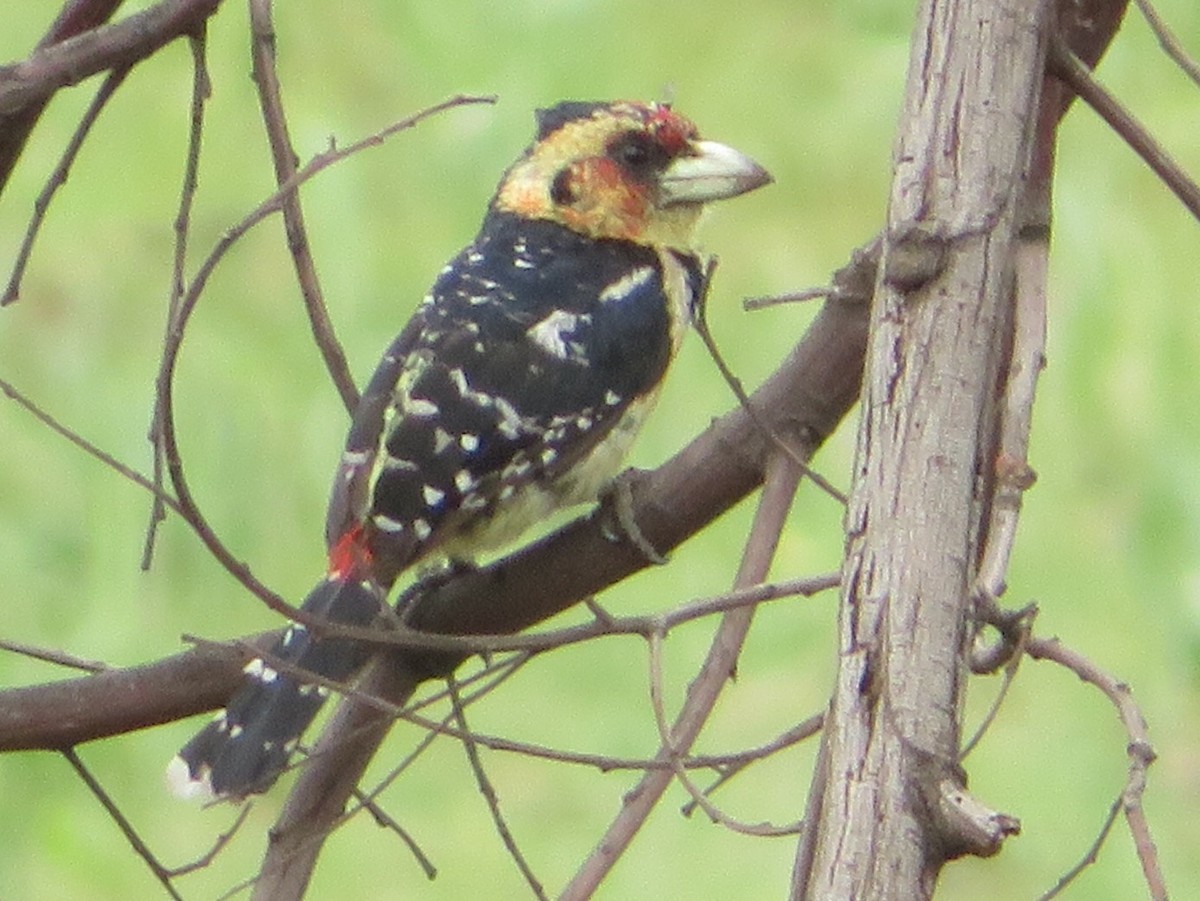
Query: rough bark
pixel 888 805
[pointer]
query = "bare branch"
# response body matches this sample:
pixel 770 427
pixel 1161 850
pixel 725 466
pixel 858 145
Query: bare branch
pixel 1067 67
pixel 161 873
pixel 1170 43
pixel 218 844
pixel 493 801
pixel 83 444
pixel 61 658
pixel 75 16
pixel 115 46
pixel 735 385
pixel 271 100
pixel 57 179
pixel 674 760
pixel 63 714
pixel 201 91
pixel 776 500
pixel 1138 748
pixel 886 806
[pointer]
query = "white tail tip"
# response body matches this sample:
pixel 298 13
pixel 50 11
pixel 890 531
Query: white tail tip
pixel 183 785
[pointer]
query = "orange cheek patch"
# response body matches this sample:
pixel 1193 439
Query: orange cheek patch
pixel 607 204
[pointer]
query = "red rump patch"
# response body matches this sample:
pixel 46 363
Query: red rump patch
pixel 350 554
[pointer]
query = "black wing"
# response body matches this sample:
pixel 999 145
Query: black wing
pixel 534 348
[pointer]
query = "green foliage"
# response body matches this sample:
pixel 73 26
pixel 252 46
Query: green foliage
pixel 1108 543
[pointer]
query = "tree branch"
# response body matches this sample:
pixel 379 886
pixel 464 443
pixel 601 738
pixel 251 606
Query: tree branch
pixel 15 127
pixel 888 806
pixel 121 45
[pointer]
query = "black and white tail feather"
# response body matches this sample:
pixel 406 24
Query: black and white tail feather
pixel 247 745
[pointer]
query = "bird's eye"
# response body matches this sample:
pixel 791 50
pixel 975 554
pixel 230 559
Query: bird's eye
pixel 634 155
pixel 637 152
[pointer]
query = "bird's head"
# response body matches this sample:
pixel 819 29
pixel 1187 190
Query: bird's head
pixel 625 170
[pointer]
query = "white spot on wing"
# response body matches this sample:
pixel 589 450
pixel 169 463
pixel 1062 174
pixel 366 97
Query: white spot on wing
pixel 626 285
pixel 386 523
pixel 422 529
pixel 460 381
pixel 253 669
pixel 441 439
pixel 400 464
pixel 510 427
pixel 474 502
pixel 433 496
pixel 419 406
pixel 548 333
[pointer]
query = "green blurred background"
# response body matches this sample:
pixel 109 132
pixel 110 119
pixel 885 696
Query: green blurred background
pixel 1109 539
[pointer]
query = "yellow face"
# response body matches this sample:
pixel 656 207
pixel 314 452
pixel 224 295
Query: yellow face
pixel 628 171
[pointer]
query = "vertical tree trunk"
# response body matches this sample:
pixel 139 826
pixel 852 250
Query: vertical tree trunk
pixel 887 806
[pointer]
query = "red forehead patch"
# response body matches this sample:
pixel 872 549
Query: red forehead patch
pixel 670 129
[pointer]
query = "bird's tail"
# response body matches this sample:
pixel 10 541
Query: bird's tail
pixel 247 745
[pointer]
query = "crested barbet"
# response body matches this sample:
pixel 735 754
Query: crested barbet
pixel 515 390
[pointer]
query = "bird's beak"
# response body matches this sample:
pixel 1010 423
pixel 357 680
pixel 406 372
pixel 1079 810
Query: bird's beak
pixel 711 172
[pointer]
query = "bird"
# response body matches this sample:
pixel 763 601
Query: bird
pixel 515 390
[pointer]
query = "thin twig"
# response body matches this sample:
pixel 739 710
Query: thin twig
pixel 489 795
pixel 1170 43
pixel 1090 856
pixel 57 179
pixel 201 91
pixel 1010 673
pixel 211 854
pixel 700 323
pixel 667 742
pixel 270 97
pixel 1138 749
pixel 161 873
pixel 86 446
pixel 61 658
pixel 775 300
pixel 778 492
pixel 739 763
pixel 403 637
pixel 387 821
pixel 1066 66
